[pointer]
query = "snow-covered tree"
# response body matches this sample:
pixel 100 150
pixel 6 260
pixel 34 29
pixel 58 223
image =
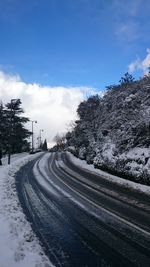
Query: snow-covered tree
pixel 112 126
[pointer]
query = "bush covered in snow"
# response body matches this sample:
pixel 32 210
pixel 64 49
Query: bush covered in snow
pixel 113 132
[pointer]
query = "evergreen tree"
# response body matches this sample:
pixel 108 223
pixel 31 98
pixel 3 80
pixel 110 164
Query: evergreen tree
pixel 127 79
pixel 13 134
pixel 45 145
pixel 3 131
pixel 17 133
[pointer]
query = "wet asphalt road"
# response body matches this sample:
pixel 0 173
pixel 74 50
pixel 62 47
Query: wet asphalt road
pixel 82 219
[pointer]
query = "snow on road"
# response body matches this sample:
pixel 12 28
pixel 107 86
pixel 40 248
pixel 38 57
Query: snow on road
pixel 19 247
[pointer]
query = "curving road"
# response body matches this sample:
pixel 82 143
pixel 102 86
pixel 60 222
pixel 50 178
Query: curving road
pixel 81 218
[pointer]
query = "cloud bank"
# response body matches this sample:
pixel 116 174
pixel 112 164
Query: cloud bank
pixel 140 64
pixel 53 107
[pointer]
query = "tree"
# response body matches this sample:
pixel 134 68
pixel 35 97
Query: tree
pixel 108 129
pixel 60 141
pixel 127 79
pixel 2 127
pixel 13 134
pixel 44 147
pixel 0 156
pixel 17 133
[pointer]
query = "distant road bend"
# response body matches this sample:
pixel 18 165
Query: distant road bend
pixel 81 218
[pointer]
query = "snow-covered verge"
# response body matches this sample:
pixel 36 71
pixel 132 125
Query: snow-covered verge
pixel 112 178
pixel 134 163
pixel 19 247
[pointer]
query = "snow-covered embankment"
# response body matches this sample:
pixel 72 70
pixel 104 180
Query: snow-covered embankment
pixel 19 245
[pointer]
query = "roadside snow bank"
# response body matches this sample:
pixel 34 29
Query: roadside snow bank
pixel 19 247
pixel 112 178
pixel 134 163
pixel 137 161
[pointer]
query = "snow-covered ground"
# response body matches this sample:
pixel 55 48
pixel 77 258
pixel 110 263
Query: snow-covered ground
pixel 126 183
pixel 19 247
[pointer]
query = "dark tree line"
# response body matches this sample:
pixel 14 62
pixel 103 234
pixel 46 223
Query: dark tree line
pixel 44 146
pixel 13 134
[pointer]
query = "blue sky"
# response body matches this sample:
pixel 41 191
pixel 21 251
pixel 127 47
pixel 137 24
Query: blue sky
pixel 73 42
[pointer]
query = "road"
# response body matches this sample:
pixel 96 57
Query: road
pixel 81 218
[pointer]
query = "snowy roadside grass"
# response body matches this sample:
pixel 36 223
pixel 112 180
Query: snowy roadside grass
pixel 19 247
pixel 112 178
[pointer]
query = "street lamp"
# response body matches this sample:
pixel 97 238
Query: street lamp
pixel 32 134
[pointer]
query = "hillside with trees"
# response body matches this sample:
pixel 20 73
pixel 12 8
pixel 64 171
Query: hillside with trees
pixel 113 132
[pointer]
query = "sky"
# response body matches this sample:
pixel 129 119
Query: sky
pixel 54 53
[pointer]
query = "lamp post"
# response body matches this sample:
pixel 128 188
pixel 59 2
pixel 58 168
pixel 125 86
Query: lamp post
pixel 32 134
pixel 40 139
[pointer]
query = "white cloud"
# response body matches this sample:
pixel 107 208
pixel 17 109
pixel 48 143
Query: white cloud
pixel 140 64
pixel 131 19
pixel 128 31
pixel 128 7
pixel 52 107
pixel 135 65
